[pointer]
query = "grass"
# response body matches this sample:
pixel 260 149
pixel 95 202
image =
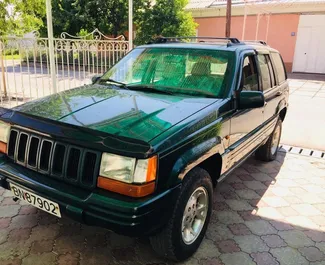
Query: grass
pixel 11 57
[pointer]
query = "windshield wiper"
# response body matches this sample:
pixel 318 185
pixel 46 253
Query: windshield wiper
pixel 108 80
pixel 148 88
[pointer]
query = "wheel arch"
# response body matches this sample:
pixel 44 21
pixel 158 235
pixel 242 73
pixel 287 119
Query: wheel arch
pixel 209 160
pixel 213 166
pixel 283 113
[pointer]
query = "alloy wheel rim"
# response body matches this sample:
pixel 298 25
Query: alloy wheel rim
pixel 275 140
pixel 194 215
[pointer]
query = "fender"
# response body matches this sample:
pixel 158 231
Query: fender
pixel 282 104
pixel 194 156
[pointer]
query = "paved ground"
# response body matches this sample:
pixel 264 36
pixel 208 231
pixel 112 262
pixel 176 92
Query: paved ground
pixel 264 213
pixel 304 124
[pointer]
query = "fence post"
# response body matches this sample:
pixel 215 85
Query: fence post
pixel 3 71
pixel 130 25
pixel 51 44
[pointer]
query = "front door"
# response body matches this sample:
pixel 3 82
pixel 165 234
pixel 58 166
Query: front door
pixel 245 124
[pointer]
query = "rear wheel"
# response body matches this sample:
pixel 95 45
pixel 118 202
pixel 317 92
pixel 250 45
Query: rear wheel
pixel 269 150
pixel 185 230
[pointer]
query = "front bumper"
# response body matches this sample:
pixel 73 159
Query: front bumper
pixel 121 214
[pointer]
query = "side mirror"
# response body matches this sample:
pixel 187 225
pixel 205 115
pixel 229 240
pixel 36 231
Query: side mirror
pixel 250 100
pixel 95 78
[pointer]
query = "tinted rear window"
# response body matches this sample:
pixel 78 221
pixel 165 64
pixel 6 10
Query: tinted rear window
pixel 279 67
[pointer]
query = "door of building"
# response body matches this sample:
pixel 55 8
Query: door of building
pixel 310 48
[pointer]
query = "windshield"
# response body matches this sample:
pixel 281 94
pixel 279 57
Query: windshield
pixel 176 70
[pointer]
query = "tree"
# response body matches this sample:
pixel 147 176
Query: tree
pixel 109 16
pixel 166 18
pixel 3 16
pixel 66 18
pixel 24 16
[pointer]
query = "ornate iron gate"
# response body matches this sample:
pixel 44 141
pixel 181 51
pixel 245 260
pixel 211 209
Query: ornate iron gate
pixel 25 67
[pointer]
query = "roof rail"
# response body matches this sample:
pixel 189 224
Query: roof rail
pixel 229 41
pixel 256 41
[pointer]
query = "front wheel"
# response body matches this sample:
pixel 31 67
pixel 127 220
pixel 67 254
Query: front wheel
pixel 185 230
pixel 269 150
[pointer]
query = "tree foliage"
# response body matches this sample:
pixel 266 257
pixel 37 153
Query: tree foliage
pixel 151 18
pixel 3 16
pixel 21 16
pixel 166 18
pixel 109 16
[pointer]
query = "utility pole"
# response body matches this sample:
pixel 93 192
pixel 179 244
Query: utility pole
pixel 228 18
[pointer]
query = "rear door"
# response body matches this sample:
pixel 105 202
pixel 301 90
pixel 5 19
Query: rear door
pixel 270 88
pixel 273 84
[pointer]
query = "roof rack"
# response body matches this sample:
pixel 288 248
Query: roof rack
pixel 256 41
pixel 229 41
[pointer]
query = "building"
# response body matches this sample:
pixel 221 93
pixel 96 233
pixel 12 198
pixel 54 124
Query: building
pixel 295 28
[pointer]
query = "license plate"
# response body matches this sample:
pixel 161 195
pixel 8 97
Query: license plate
pixel 35 200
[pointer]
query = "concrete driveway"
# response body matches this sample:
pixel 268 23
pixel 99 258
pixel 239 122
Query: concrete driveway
pixel 264 214
pixel 305 122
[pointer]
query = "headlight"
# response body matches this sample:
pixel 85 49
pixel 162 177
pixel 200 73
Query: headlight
pixel 117 167
pixel 4 136
pixel 4 132
pixel 128 176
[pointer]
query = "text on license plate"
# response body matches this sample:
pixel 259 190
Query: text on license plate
pixel 35 200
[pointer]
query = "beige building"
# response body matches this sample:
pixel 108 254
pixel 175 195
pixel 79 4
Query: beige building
pixel 295 28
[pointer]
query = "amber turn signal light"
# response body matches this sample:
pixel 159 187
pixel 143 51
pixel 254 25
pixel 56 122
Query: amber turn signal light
pixel 152 169
pixel 127 189
pixel 3 147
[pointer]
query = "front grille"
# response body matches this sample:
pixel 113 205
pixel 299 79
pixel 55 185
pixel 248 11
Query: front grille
pixel 70 163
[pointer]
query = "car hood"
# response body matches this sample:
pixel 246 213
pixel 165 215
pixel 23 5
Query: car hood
pixel 127 113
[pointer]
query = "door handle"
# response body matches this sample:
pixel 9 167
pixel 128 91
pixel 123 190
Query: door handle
pixel 279 93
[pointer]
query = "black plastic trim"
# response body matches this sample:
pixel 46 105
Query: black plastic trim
pixel 96 169
pixel 17 149
pixel 37 154
pixel 64 160
pixel 71 180
pixel 50 157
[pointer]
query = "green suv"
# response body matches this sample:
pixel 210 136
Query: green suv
pixel 141 149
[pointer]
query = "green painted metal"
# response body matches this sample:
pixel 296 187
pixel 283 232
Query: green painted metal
pixel 140 114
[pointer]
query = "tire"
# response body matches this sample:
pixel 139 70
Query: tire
pixel 170 243
pixel 267 152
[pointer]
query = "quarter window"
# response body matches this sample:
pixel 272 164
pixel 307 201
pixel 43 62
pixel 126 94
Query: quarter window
pixel 279 67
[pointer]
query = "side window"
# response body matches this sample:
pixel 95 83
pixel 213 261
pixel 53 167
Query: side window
pixel 249 80
pixel 271 70
pixel 279 67
pixel 265 74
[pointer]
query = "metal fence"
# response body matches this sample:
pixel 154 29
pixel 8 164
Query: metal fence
pixel 25 64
